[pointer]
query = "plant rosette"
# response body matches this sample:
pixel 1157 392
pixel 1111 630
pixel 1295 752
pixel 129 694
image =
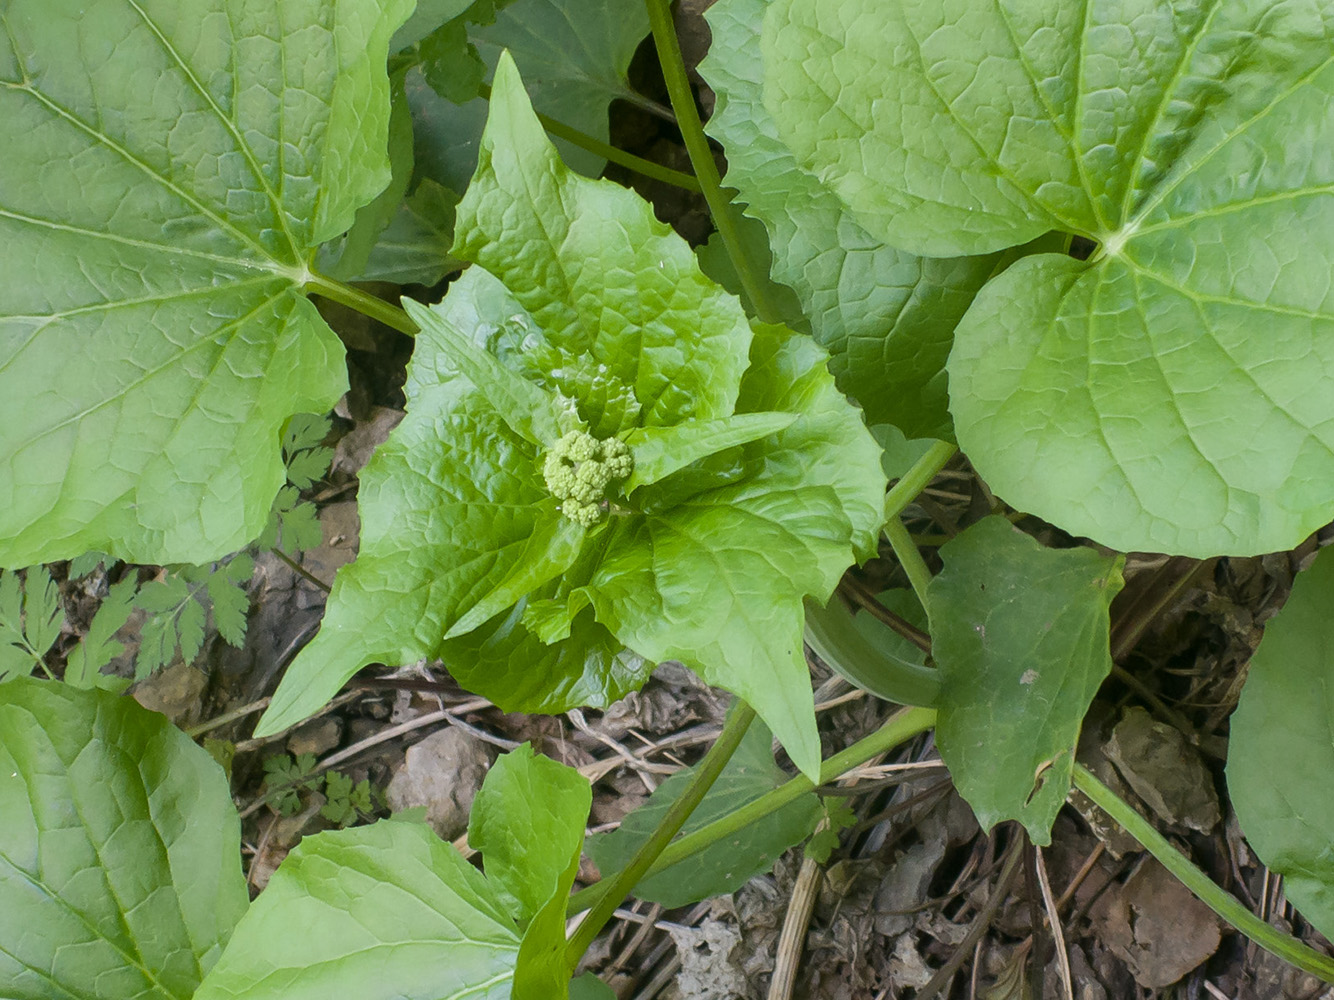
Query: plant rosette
pixel 604 465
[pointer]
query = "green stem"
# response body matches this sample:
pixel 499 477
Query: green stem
pixel 701 156
pixel 909 557
pixel 917 478
pixel 607 151
pixel 615 889
pixel 901 727
pixel 363 302
pixel 1222 903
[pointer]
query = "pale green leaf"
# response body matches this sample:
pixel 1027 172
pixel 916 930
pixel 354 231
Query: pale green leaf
pixel 120 869
pixel 660 451
pixel 887 317
pixel 99 646
pixel 231 605
pixel 725 866
pixel 607 284
pixel 1125 397
pixel 716 579
pixel 550 551
pixel 574 54
pixel 382 912
pixel 1280 770
pixel 1019 633
pixel 528 822
pixel 170 168
pixel 526 408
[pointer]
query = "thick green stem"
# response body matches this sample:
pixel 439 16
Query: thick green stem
pixel 1225 905
pixel 701 156
pixel 917 478
pixel 909 558
pixel 615 889
pixel 901 727
pixel 609 152
pixel 363 302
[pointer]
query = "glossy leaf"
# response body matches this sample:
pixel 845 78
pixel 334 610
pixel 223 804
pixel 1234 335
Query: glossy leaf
pixel 660 451
pixel 382 912
pixel 120 869
pixel 528 822
pixel 574 56
pixel 1280 771
pixel 1019 633
pixel 1125 397
pixel 886 316
pixel 171 168
pixel 728 864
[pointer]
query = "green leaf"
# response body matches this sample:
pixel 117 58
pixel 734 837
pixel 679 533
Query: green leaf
pixel 868 654
pixel 590 987
pixel 81 566
pixel 660 451
pixel 428 16
pixel 120 869
pixel 716 579
pixel 1125 397
pixel 305 431
pixel 451 65
pixel 298 529
pixel 414 247
pixel 526 409
pixel 231 602
pixel 1019 633
pixel 43 615
pixel 728 864
pixel 528 821
pixel 575 56
pixel 381 912
pixel 171 170
pixel 605 306
pixel 99 647
pixel 1280 769
pixel 606 283
pixel 886 317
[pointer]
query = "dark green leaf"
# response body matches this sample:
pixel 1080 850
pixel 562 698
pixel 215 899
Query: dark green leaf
pixel 574 54
pixel 120 869
pixel 728 864
pixel 170 170
pixel 1280 770
pixel 381 912
pixel 414 249
pixel 1019 633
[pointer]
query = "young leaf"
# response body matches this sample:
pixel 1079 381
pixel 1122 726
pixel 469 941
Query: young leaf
pixel 120 840
pixel 528 822
pixel 380 912
pixel 727 865
pixel 83 667
pixel 660 451
pixel 1125 397
pixel 1280 768
pixel 709 566
pixel 1019 633
pixel 170 171
pixel 887 317
pixel 43 615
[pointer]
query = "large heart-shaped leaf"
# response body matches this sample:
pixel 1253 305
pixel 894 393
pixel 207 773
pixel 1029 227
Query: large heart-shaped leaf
pixel 1129 397
pixel 1280 768
pixel 886 316
pixel 382 912
pixel 120 849
pixel 1019 633
pixel 168 170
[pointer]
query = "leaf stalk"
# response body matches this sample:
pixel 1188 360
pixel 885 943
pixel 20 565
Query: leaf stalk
pixel 363 302
pixel 612 891
pixel 701 156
